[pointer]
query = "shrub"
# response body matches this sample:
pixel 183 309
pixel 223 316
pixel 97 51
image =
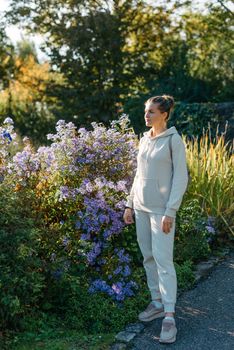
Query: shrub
pixel 79 184
pixel 21 278
pixel 192 235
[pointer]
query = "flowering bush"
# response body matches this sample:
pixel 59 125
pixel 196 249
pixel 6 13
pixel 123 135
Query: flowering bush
pixel 80 184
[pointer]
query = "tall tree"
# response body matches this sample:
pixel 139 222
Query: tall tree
pixel 211 53
pixel 113 51
pixel 105 49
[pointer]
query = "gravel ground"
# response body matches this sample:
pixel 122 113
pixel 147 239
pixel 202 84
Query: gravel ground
pixel 204 315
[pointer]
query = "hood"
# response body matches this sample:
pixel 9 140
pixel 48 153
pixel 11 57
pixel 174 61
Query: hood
pixel 169 131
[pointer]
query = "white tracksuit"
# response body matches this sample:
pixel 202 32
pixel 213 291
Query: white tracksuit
pixel 158 188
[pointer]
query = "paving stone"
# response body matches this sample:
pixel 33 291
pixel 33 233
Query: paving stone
pixel 125 337
pixel 135 327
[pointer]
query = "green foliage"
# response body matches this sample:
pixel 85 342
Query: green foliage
pixel 128 240
pixel 191 235
pixel 21 278
pixel 78 309
pixel 192 119
pixel 31 119
pixel 85 321
pixel 185 275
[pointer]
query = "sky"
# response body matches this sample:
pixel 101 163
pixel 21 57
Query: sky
pixel 16 34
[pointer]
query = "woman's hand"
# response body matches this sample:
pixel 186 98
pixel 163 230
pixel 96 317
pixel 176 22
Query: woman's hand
pixel 128 216
pixel 166 223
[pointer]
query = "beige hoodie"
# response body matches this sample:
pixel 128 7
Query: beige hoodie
pixel 159 183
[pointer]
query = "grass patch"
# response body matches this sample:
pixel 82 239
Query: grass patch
pixel 61 340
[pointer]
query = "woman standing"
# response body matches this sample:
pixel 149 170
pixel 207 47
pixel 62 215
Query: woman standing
pixel 156 194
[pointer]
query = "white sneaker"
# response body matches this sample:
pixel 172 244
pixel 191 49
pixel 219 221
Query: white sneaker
pixel 168 332
pixel 151 312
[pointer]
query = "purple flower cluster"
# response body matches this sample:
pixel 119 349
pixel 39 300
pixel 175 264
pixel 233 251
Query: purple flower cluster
pixel 123 257
pixel 123 260
pixel 47 157
pixel 94 253
pixel 210 229
pixel 117 291
pixel 24 164
pixel 118 286
pixel 7 135
pixel 99 219
pixel 96 150
pixel 65 192
pixel 127 271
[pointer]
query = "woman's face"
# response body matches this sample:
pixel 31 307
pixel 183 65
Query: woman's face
pixel 153 115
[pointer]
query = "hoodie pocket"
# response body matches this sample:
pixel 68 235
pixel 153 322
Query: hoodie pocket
pixel 148 193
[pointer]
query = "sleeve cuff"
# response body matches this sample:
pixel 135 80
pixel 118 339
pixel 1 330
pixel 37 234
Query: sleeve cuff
pixel 129 204
pixel 170 212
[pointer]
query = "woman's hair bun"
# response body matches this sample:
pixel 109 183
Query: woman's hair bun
pixel 170 100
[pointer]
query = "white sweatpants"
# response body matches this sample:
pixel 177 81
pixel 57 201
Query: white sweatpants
pixel 157 249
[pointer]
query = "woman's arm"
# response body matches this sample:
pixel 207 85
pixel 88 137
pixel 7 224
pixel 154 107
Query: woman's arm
pixel 130 197
pixel 180 176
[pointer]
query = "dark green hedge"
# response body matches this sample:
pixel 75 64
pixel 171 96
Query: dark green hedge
pixel 188 118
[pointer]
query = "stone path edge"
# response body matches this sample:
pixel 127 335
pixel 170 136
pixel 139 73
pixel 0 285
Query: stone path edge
pixel 123 339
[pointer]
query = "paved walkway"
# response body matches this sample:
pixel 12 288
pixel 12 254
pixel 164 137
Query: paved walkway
pixel 204 315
